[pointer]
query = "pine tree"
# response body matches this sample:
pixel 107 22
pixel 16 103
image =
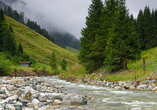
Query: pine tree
pixel 9 43
pixel 3 27
pixel 106 20
pixel 140 30
pixel 87 56
pixel 123 44
pixel 20 49
pixel 11 29
pixel 53 61
pixel 63 64
pixel 1 15
pixel 147 28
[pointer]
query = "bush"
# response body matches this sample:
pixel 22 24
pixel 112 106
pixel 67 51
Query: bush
pixel 5 67
pixel 36 66
pixel 56 71
pixel 44 69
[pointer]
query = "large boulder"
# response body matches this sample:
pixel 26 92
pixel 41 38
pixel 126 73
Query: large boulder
pixel 142 87
pixel 74 99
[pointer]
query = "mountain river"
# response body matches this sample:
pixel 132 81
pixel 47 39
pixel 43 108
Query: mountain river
pixel 105 98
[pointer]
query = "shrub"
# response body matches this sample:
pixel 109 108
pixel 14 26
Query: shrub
pixel 36 66
pixel 56 71
pixel 5 67
pixel 44 69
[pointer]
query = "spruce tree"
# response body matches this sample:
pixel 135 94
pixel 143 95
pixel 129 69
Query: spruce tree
pixel 1 15
pixel 140 30
pixel 63 64
pixel 10 45
pixel 147 28
pixel 3 27
pixel 11 29
pixel 123 44
pixel 88 56
pixel 53 61
pixel 106 19
pixel 20 49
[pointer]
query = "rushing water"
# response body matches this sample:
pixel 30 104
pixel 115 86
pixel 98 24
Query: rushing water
pixel 105 98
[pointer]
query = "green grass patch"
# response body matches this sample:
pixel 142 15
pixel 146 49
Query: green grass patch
pixel 73 50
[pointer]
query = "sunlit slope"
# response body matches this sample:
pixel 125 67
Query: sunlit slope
pixel 38 46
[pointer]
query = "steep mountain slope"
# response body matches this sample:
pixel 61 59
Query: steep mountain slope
pixel 38 46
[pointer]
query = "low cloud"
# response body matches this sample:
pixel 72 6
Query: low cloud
pixel 69 15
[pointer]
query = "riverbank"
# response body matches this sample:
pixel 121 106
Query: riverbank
pixel 148 83
pixel 25 93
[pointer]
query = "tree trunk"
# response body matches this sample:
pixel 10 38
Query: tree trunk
pixel 125 64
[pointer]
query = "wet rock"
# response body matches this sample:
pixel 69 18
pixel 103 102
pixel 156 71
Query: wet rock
pixel 11 107
pixel 137 108
pixel 117 87
pixel 78 99
pixel 43 97
pixel 28 96
pixel 49 108
pixel 52 96
pixel 57 102
pixel 24 102
pixel 142 87
pixel 35 101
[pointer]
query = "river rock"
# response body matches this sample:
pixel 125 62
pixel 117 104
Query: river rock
pixel 142 87
pixel 43 97
pixel 17 92
pixel 49 108
pixel 132 87
pixel 35 101
pixel 28 96
pixel 57 102
pixel 78 99
pixel 154 89
pixel 117 87
pixel 137 108
pixel 59 96
pixel 11 107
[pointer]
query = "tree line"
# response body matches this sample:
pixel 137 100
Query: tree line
pixel 112 37
pixel 60 39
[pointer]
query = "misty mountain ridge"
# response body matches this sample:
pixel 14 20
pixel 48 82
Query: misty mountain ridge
pixel 61 37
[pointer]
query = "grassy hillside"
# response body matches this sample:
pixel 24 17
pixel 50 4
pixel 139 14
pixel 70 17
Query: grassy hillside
pixel 38 46
pixel 150 54
pixel 75 51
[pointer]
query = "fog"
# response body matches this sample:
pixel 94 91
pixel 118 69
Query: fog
pixel 68 15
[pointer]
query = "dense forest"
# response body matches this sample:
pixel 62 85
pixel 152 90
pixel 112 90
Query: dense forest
pixel 60 39
pixel 113 37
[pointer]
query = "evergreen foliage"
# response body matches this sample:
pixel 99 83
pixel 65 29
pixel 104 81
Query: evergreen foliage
pixel 88 54
pixel 11 29
pixel 53 61
pixel 146 26
pixel 10 44
pixel 123 44
pixel 63 64
pixel 109 38
pixel 20 49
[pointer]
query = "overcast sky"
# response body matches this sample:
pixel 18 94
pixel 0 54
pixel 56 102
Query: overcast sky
pixel 70 14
